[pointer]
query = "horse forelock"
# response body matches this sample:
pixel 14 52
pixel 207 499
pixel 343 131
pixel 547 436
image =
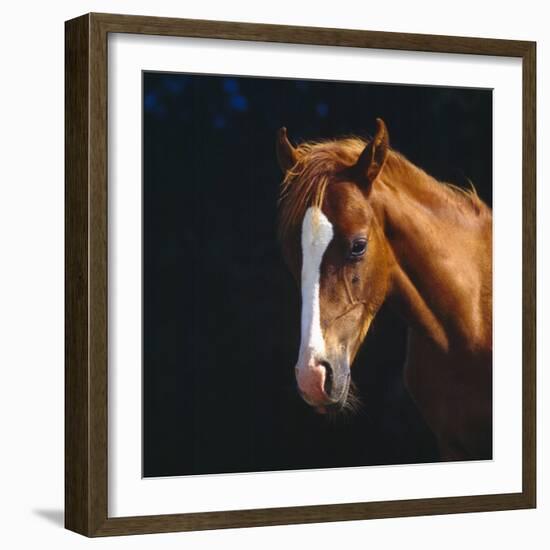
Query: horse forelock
pixel 305 184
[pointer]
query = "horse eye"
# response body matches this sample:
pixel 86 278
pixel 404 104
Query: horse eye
pixel 358 248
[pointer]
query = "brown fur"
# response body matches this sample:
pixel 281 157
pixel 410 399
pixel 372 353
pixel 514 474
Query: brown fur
pixel 429 253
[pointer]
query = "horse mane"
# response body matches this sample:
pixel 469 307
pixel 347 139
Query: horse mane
pixel 305 184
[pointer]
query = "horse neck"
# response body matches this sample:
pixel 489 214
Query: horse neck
pixel 435 243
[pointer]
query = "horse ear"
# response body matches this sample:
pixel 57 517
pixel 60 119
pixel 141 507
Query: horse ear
pixel 372 159
pixel 286 152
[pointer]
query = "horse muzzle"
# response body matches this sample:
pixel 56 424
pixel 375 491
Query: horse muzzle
pixel 322 384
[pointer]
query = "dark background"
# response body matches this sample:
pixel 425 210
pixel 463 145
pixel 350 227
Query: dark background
pixel 221 314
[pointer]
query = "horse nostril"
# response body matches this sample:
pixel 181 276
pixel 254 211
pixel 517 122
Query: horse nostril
pixel 328 376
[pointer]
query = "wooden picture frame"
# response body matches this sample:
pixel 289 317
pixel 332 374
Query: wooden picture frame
pixel 86 283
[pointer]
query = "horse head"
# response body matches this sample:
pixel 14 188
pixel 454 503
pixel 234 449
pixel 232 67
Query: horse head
pixel 335 247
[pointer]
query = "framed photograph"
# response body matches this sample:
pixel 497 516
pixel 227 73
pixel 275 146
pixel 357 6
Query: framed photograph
pixel 300 275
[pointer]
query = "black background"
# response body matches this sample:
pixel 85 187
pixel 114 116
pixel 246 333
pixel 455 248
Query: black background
pixel 220 310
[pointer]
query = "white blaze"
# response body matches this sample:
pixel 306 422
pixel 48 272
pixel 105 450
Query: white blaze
pixel 317 233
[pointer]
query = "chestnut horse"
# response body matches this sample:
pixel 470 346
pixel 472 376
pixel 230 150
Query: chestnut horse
pixel 359 225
